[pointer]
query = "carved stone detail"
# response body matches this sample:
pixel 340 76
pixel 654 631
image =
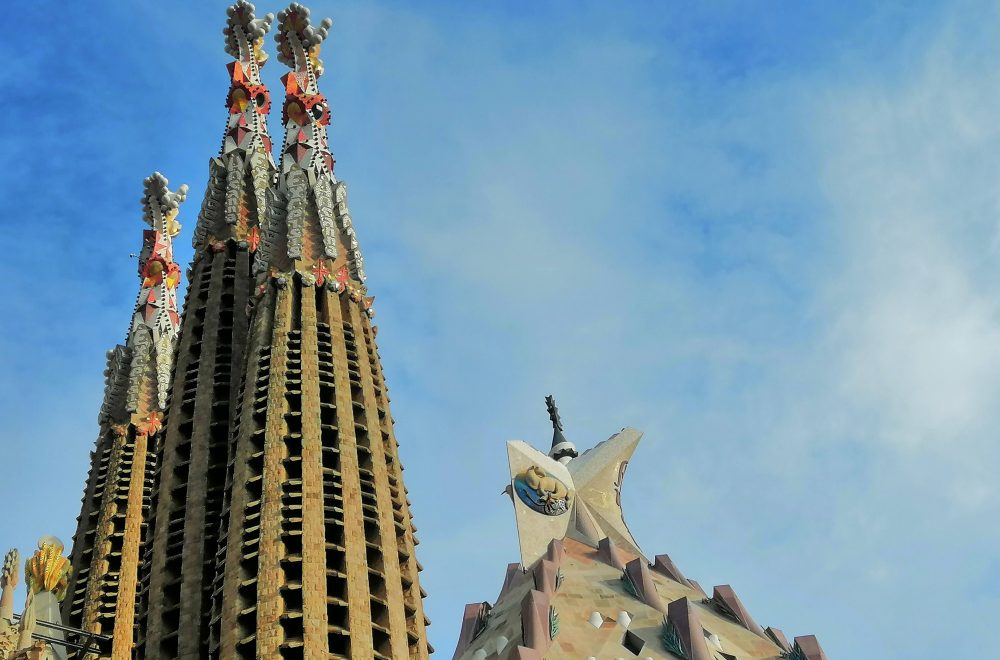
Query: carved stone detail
pixel 276 209
pixel 142 348
pixel 115 384
pixel 356 261
pixel 164 369
pixel 298 192
pixel 323 193
pixel 260 171
pixel 211 205
pixel 234 187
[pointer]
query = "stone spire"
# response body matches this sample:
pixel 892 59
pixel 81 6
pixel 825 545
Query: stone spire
pixel 188 498
pixel 137 379
pixel 310 232
pixel 240 175
pixel 319 549
pixel 107 546
pixel 562 449
pixel 8 582
pixel 155 322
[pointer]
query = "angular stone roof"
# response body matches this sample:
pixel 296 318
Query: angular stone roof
pixel 585 590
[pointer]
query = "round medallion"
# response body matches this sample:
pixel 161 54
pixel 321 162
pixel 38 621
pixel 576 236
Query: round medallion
pixel 542 492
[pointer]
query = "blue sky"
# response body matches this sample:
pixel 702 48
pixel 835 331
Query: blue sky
pixel 766 234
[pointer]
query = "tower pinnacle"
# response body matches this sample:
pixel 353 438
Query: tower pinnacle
pixel 104 584
pixel 309 231
pixel 149 347
pixel 240 175
pixel 562 449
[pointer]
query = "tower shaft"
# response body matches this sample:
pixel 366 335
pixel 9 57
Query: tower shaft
pixel 191 478
pixel 190 484
pixel 320 551
pixel 111 530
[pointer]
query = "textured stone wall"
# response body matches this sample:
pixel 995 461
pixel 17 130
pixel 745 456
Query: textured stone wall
pixel 191 484
pixel 319 555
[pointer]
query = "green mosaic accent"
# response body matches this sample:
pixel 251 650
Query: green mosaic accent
pixel 671 639
pixel 796 654
pixel 629 585
pixel 559 579
pixel 482 620
pixel 553 623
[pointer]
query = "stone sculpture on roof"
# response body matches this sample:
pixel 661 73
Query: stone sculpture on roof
pixel 39 632
pixel 583 588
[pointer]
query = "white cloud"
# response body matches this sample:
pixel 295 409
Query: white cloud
pixel 911 178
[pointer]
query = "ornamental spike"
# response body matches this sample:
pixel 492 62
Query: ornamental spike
pixel 236 196
pixel 155 321
pixel 307 196
pixel 562 449
pixel 299 43
pixel 245 37
pixel 160 205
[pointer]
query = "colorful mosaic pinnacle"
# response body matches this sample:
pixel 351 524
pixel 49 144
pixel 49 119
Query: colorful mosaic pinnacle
pixel 309 226
pixel 240 176
pixel 584 590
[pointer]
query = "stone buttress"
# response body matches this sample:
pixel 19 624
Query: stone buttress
pixel 112 528
pixel 318 558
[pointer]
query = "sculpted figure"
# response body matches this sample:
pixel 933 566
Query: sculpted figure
pixel 548 488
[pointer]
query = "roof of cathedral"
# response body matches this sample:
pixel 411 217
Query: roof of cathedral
pixel 584 588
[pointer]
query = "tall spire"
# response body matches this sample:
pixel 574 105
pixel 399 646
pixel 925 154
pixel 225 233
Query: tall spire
pixel 189 494
pixel 562 449
pixel 310 231
pixel 318 557
pixel 240 175
pixel 155 322
pixel 106 553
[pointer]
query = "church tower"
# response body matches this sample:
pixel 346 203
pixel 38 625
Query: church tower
pixel 246 498
pixel 111 528
pixel 176 594
pixel 318 557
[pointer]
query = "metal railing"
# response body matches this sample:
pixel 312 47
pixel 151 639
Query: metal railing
pixel 82 640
